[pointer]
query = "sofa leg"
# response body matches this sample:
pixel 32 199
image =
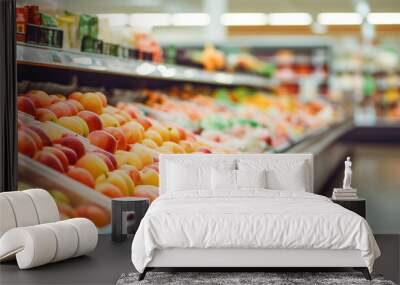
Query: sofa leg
pixel 364 271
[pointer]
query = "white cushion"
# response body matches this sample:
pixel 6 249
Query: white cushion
pixel 23 208
pixel 223 179
pixel 40 244
pixel 251 178
pixel 45 206
pixel 7 220
pixel 290 175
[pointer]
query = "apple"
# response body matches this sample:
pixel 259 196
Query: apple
pixel 69 152
pixel 66 211
pixel 91 102
pixel 94 213
pixel 110 156
pixel 153 166
pixel 182 133
pixel 74 108
pixel 60 197
pixel 103 140
pixel 77 105
pixel 73 142
pixel 81 175
pixel 45 115
pixel 171 147
pixel 163 131
pixel 105 158
pixel 34 136
pixel 26 105
pixel 149 143
pixel 26 144
pixel 119 135
pixel 187 146
pixel 109 120
pixel 92 120
pixel 49 159
pixel 75 124
pixel 145 122
pixel 109 190
pixel 174 134
pixel 93 163
pixel 128 180
pixel 120 119
pixel 133 173
pixel 39 98
pixel 52 131
pixel 125 115
pixel 75 96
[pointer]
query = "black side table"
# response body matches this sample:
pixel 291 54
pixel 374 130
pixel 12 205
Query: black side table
pixel 358 206
pixel 127 212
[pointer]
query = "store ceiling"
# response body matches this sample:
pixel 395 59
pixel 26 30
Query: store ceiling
pixel 265 6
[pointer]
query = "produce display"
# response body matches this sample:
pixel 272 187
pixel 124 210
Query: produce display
pixel 241 119
pixel 112 151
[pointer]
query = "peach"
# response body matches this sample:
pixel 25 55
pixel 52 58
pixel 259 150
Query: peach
pixel 26 105
pixel 125 115
pixel 149 143
pixel 103 140
pixel 45 115
pixel 187 146
pixel 134 132
pixel 105 158
pixel 145 123
pixel 74 109
pixel 119 135
pixel 49 159
pixel 163 131
pixel 91 102
pixel 60 109
pixel 69 152
pixel 39 98
pixel 94 213
pixel 54 99
pixel 182 133
pixel 129 158
pixel 103 98
pixel 109 190
pixel 174 134
pixel 74 124
pixel 75 96
pixel 26 144
pixel 66 211
pixel 92 120
pixel 109 120
pixel 81 175
pixel 52 131
pixel 120 119
pixel 146 191
pixel 204 150
pixel 154 136
pixel 60 155
pixel 77 105
pixel 46 141
pixel 128 180
pixel 143 152
pixel 60 197
pixel 149 177
pixel 154 166
pixel 131 110
pixel 171 147
pixel 34 136
pixel 92 163
pixel 115 179
pixel 73 142
pixel 110 156
pixel 133 173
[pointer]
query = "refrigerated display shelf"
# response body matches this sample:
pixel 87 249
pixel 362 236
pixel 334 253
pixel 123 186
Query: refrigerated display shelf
pixel 67 59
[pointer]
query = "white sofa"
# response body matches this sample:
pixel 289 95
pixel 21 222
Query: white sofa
pixel 31 233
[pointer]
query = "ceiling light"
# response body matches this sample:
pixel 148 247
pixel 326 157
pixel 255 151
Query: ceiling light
pixel 190 19
pixel 150 19
pixel 290 19
pixel 384 18
pixel 115 20
pixel 339 19
pixel 244 19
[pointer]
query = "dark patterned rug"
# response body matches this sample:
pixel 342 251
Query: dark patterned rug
pixel 233 278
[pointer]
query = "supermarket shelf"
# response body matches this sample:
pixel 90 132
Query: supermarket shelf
pixel 73 60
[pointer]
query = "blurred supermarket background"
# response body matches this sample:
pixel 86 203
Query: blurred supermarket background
pixel 106 86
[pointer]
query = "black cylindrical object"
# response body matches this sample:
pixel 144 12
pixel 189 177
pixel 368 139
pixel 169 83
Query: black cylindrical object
pixel 127 213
